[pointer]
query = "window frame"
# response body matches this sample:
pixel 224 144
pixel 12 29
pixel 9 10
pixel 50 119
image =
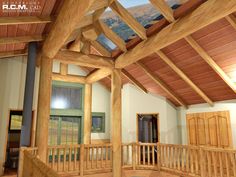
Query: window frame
pixel 70 112
pixel 103 115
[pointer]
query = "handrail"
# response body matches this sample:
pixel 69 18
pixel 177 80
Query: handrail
pixel 179 159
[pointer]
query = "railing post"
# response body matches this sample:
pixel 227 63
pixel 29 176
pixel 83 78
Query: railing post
pixel 202 166
pixel 81 160
pixel 134 155
pixel 21 162
pixel 158 156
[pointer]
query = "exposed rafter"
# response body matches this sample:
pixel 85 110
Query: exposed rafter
pixel 128 19
pixel 13 54
pixel 59 32
pixel 134 81
pixel 164 9
pixel 184 77
pixel 100 49
pixel 69 78
pixel 20 39
pixel 103 28
pixel 24 20
pixel 163 85
pixel 205 14
pixel 211 62
pixel 232 20
pixel 97 75
pixel 77 58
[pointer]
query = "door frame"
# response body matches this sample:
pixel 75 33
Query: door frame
pixel 32 138
pixel 137 126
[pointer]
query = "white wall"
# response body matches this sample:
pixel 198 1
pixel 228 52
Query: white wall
pixel 135 101
pixel 12 79
pixel 219 106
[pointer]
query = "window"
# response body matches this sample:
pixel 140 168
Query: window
pixel 65 125
pixel 66 96
pixel 64 130
pixel 98 122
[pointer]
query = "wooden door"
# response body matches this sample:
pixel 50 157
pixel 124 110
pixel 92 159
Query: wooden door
pixel 209 129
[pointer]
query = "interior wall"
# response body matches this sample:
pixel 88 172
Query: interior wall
pixel 219 106
pixel 135 101
pixel 12 79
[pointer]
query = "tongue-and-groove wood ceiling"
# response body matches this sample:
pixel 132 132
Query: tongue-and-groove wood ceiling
pixel 217 40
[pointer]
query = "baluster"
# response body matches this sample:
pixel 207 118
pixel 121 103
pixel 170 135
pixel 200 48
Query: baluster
pixel 134 156
pixel 106 151
pixel 53 158
pixel 191 160
pixel 97 153
pixel 183 156
pixel 196 161
pixel 153 155
pixel 148 154
pixel 64 159
pixel 178 157
pixel 187 159
pixel 102 156
pixel 143 154
pixel 81 159
pixel 69 167
pixel 58 159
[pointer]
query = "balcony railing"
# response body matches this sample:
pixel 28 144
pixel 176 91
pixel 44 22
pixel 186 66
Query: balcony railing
pixel 178 159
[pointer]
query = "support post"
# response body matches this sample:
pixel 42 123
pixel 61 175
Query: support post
pixel 87 113
pixel 116 121
pixel 45 84
pixel 28 96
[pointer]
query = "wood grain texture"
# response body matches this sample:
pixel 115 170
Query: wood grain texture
pixel 67 18
pixel 87 113
pixel 97 75
pixel 77 58
pixel 204 15
pixel 69 78
pixel 24 20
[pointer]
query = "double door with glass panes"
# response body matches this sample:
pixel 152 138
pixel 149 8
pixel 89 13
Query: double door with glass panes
pixel 64 130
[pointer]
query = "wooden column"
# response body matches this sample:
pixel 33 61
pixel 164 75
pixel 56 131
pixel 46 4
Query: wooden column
pixel 45 84
pixel 116 121
pixel 87 113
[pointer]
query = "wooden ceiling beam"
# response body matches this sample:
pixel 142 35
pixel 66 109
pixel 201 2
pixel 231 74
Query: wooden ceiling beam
pixel 20 39
pixel 65 24
pixel 97 75
pixel 207 58
pixel 134 81
pixel 164 9
pixel 205 14
pixel 69 78
pixel 14 53
pixel 103 28
pixel 232 20
pixel 161 83
pixel 77 58
pixel 128 19
pixel 24 20
pixel 182 75
pixel 100 49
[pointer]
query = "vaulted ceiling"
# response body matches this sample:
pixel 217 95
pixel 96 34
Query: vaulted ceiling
pixel 196 68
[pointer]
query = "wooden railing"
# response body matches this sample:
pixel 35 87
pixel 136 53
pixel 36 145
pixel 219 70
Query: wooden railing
pixel 80 159
pixel 31 166
pixel 178 159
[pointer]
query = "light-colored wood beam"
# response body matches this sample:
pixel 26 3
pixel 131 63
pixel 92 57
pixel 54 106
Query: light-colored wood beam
pixel 134 81
pixel 100 49
pixel 20 39
pixel 64 25
pixel 87 113
pixel 116 111
pixel 162 84
pixel 69 78
pixel 205 14
pixel 76 45
pixel 164 9
pixel 232 20
pixel 14 53
pixel 63 69
pixel 182 75
pixel 24 20
pixel 44 100
pixel 90 33
pixel 128 19
pixel 77 58
pixel 103 28
pixel 97 75
pixel 207 58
